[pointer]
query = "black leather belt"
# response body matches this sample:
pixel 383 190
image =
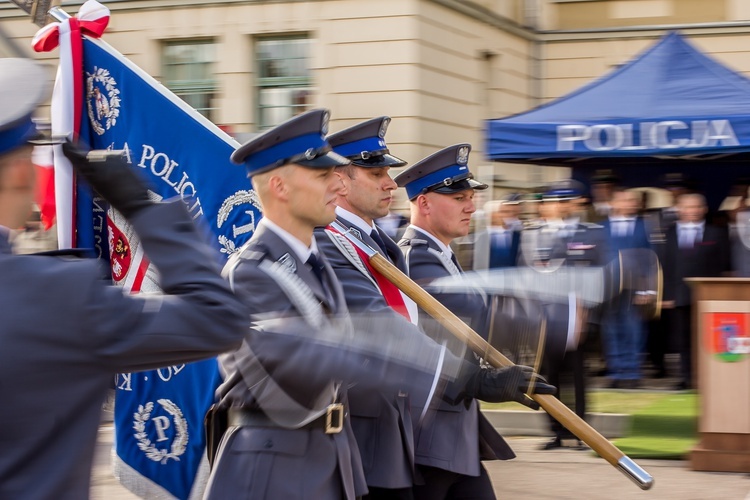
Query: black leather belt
pixel 332 421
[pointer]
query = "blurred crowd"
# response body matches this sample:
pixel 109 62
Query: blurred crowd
pixel 625 341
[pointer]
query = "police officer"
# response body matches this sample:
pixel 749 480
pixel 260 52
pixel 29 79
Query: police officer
pixel 560 239
pixel 452 440
pixel 382 423
pixel 65 332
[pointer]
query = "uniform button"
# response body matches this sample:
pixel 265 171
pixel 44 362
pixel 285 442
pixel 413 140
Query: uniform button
pixel 268 444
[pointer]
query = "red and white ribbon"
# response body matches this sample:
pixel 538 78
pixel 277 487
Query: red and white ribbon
pixel 68 100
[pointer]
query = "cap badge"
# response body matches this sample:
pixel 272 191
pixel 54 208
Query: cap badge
pixel 463 155
pixel 324 124
pixel 383 128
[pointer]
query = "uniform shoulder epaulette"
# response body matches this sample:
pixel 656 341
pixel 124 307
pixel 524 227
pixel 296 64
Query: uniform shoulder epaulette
pixel 414 242
pixel 533 225
pixel 251 254
pixel 592 225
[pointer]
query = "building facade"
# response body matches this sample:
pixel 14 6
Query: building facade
pixel 439 68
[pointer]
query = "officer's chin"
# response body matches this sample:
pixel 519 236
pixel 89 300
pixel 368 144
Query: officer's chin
pixel 330 216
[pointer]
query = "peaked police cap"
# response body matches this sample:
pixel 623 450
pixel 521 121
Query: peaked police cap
pixel 24 85
pixel 445 171
pixel 364 144
pixel 299 140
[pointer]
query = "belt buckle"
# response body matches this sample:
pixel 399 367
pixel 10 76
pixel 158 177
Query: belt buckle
pixel 334 418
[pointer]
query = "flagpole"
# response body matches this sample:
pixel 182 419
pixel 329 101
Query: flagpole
pixel 58 14
pixel 468 336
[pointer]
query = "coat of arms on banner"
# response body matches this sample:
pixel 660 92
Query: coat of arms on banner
pixel 102 100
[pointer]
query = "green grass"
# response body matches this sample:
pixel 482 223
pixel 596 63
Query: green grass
pixel 598 402
pixel 663 425
pixel 665 429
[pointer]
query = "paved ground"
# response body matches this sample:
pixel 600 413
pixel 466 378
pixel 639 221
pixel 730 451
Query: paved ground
pixel 540 475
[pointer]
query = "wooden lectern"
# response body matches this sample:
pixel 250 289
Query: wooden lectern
pixel 721 348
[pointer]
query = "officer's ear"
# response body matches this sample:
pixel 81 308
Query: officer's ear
pixel 422 204
pixel 346 180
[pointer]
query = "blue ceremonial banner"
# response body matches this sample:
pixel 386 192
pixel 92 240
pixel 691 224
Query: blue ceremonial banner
pixel 160 446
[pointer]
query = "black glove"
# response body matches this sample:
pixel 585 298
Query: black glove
pixel 112 178
pixel 497 385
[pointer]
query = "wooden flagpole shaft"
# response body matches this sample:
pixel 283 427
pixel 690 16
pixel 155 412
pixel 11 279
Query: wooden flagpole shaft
pixel 476 343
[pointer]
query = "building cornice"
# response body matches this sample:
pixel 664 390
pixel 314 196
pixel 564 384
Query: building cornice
pixel 489 17
pixel 723 28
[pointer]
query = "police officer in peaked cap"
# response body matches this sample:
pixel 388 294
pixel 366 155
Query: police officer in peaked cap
pixel 65 333
pixel 285 397
pixel 576 243
pixel 452 440
pixel 382 423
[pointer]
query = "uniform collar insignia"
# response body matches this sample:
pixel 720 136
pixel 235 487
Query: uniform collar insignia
pixel 288 261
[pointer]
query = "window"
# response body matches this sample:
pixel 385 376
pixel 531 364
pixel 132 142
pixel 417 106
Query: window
pixel 188 72
pixel 284 80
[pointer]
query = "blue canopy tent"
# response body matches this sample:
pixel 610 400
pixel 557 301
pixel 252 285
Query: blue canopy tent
pixel 671 109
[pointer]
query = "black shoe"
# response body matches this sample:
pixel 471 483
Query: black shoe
pixel 579 446
pixel 615 384
pixel 552 444
pixel 660 373
pixel 631 384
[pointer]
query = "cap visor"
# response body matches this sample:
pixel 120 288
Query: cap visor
pixel 327 160
pixel 461 185
pixel 385 160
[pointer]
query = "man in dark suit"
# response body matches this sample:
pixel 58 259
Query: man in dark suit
pixel 65 333
pixel 693 248
pixel 452 439
pixel 497 245
pixel 622 329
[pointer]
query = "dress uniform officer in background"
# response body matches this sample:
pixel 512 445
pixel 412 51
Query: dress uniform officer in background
pixel 65 333
pixel 285 393
pixel 451 440
pixel 559 240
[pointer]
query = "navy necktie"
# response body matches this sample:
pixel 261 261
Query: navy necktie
pixel 317 267
pixel 376 237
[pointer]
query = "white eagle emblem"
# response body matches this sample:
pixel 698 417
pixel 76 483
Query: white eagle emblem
pixel 463 155
pixel 102 100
